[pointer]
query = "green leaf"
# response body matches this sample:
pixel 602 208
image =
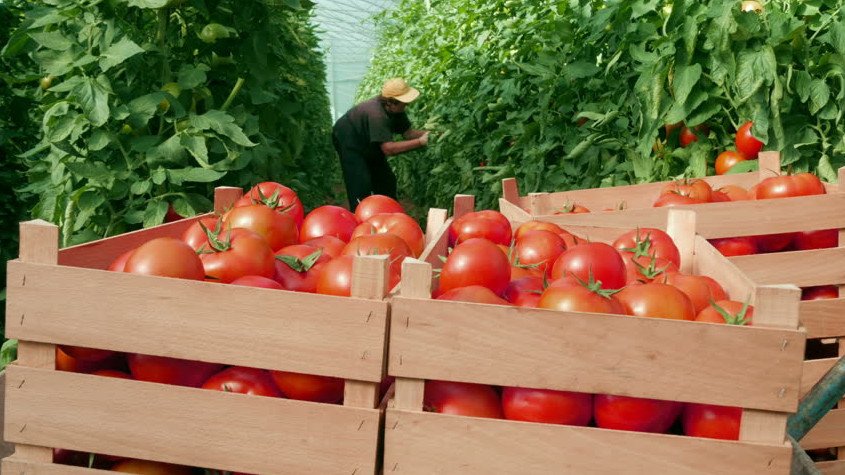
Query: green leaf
pixel 93 98
pixel 819 95
pixel 54 40
pixel 147 3
pixel 195 144
pixel 191 76
pixel 826 171
pixel 159 175
pixel 99 140
pixel 580 70
pixel 154 213
pixel 119 52
pixel 141 187
pixel 95 171
pixel 744 166
pixel 686 77
pixel 643 7
pixel 836 37
pixel 8 352
pixel 803 85
pixel 197 175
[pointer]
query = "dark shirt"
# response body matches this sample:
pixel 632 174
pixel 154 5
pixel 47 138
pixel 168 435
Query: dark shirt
pixel 366 126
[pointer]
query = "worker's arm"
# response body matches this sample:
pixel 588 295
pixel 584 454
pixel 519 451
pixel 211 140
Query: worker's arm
pixel 395 148
pixel 414 134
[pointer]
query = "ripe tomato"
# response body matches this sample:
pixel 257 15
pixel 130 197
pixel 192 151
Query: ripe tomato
pixel 592 260
pixel 278 229
pixel 646 268
pixel 144 467
pixel 746 143
pixel 160 369
pixel 473 293
pixel 491 225
pixel 529 226
pixel 635 414
pixel 119 263
pixel 64 362
pixel 86 354
pixel 700 289
pixel 820 292
pixel 462 399
pixel 736 192
pixel 476 262
pixel 726 160
pixel 399 224
pixel 719 197
pixel 238 379
pixel 328 220
pixel 572 208
pixel 197 237
pixel 309 387
pixel 713 422
pixel 547 406
pixel 331 246
pixel 236 253
pixel 524 291
pixel 774 242
pixel 381 244
pixel 166 257
pixel 735 246
pixel 649 242
pixel 698 190
pixel 656 300
pixel 538 250
pixel 377 204
pixel 687 137
pixel 336 277
pixel 570 296
pixel 258 281
pixel 299 266
pixel 674 199
pixel 786 186
pixel 727 311
pixel 275 196
pixel 823 239
pixel 811 184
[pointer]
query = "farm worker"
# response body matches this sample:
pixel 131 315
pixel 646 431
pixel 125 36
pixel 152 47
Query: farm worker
pixel 363 138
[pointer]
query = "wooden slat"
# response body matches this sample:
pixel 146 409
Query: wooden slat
pixel 833 467
pixel 710 262
pixel 813 372
pixel 225 198
pixel 539 204
pixel 19 466
pixel 5 448
pixel 463 204
pixel 805 268
pixel 829 432
pixel 681 227
pixel 436 219
pixel 823 318
pixel 510 190
pixel 514 213
pixel 654 358
pixel 189 426
pixel 99 254
pixel 342 337
pixel 438 246
pixel 425 443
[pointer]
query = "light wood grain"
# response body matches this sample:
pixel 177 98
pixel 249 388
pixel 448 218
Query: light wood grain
pixel 768 165
pixel 370 277
pixel 680 226
pixel 443 340
pixel 801 268
pixel 360 394
pixel 342 337
pixel 225 198
pixel 463 204
pixel 180 425
pixel 5 448
pixel 19 466
pixel 427 443
pixel 510 190
pixel 514 213
pixel 416 279
pixel 436 219
pixel 833 467
pixel 829 432
pixel 438 246
pixel 39 242
pixel 539 204
pixel 814 370
pixel 710 262
pixel 410 394
pixel 823 318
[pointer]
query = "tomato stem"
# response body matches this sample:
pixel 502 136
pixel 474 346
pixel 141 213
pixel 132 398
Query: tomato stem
pixel 235 90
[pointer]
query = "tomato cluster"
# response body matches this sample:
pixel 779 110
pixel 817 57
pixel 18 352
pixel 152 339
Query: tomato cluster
pixel 542 265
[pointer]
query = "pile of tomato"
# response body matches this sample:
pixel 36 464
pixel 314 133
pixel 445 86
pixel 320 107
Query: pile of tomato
pixel 265 240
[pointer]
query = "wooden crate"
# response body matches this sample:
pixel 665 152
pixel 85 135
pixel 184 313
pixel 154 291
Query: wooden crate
pixel 61 297
pixel 642 357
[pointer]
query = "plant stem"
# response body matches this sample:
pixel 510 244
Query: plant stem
pixel 235 90
pixel 161 38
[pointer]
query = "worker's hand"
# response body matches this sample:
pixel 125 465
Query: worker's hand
pixel 424 139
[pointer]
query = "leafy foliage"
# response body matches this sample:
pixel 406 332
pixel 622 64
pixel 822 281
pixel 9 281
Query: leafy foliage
pixel 576 93
pixel 146 104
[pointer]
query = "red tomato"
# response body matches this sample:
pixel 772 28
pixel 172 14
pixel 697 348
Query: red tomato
pixel 172 215
pixel 657 301
pixel 572 208
pixel 399 224
pixel 331 246
pixel 278 229
pixel 547 406
pixel 143 467
pixel 538 250
pixel 713 422
pixel 473 293
pixel 119 264
pixel 309 387
pixel 719 197
pixel 238 379
pixel 277 197
pixel 197 237
pixel 574 297
pixel 700 289
pixel 774 242
pixel 524 291
pixel 112 373
pixel 592 260
pixel 299 266
pixel 529 226
pixel 336 277
pixel 64 362
pixel 646 268
pixel 673 199
pixel 377 204
pixel 166 257
pixel 86 354
pixel 811 184
pixel 823 239
pixel 687 137
pixel 726 160
pixel 381 244
pixel 462 399
pixel 329 220
pixel 727 311
pixel 746 143
pixel 698 190
pixel 160 369
pixel 735 246
pixel 476 262
pixel 491 225
pixel 820 292
pixel 635 414
pixel 236 253
pixel 784 186
pixel 258 281
pixel 649 242
pixel 735 192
